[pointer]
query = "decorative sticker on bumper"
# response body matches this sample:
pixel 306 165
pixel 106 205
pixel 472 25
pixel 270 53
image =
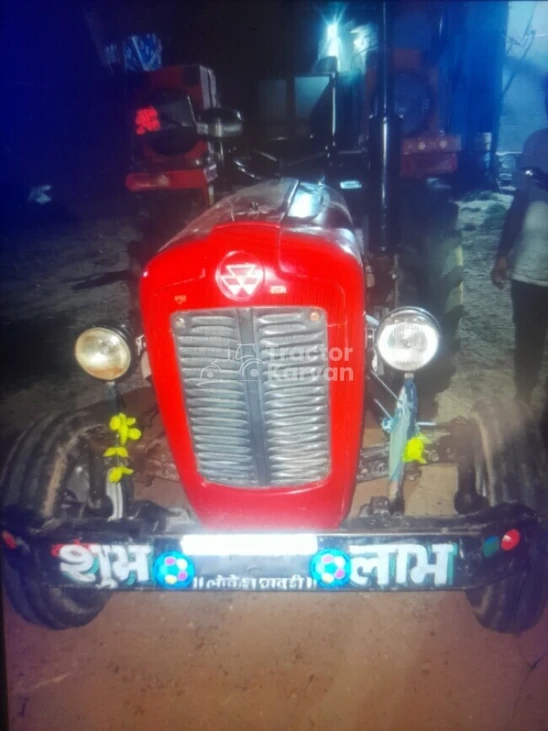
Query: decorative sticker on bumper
pixel 331 568
pixel 386 565
pixel 105 566
pixel 174 570
pixel 372 566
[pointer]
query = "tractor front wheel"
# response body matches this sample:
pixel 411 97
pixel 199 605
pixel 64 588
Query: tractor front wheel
pixel 511 466
pixel 46 475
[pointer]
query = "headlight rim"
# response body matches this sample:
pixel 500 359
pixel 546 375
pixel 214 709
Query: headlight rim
pixel 126 336
pixel 401 311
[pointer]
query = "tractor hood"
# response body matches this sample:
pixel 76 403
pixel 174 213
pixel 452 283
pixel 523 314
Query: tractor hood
pixel 254 322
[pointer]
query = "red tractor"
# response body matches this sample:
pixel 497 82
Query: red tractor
pixel 262 349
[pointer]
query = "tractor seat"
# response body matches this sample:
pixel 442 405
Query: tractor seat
pixel 221 126
pixel 220 123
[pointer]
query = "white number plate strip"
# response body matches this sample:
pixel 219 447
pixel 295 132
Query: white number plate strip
pixel 242 544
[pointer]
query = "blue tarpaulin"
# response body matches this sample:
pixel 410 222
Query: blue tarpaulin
pixel 137 53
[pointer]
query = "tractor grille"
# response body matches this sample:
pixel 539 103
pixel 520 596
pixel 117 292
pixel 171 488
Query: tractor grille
pixel 256 394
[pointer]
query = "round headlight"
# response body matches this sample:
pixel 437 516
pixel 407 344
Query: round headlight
pixel 408 339
pixel 103 352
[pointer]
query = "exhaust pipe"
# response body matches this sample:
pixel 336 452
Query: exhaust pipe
pixel 384 152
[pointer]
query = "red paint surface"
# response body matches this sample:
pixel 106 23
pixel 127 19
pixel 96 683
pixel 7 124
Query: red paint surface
pixel 429 164
pixel 198 177
pixel 314 265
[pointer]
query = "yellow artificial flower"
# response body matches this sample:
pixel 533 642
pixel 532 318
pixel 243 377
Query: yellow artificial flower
pixel 414 449
pixel 116 452
pixel 115 474
pixel 124 425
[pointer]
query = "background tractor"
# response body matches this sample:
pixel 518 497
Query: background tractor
pixel 372 122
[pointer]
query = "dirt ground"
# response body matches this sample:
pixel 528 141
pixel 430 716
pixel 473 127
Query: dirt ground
pixel 254 662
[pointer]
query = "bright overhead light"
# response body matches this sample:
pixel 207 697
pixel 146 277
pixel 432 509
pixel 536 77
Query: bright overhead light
pixel 332 29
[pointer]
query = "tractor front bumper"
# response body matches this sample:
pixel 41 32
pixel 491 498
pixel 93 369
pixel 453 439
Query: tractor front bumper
pixel 376 553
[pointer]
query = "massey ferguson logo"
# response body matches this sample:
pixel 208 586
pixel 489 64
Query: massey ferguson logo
pixel 238 277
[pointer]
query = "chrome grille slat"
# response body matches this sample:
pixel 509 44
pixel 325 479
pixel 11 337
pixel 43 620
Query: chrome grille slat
pixel 210 354
pixel 233 399
pixel 290 409
pixel 208 431
pixel 292 426
pixel 226 448
pixel 275 391
pixel 296 432
pixel 213 320
pixel 209 340
pixel 263 431
pixel 293 341
pixel 281 329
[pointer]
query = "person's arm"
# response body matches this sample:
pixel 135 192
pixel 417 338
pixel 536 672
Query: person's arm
pixel 513 223
pixel 515 216
pixel 511 229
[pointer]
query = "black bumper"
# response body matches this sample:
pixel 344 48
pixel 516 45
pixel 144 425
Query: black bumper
pixel 379 553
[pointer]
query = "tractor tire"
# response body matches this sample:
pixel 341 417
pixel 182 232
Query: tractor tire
pixel 511 466
pixel 431 275
pixel 40 477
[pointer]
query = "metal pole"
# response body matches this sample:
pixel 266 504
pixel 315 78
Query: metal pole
pixel 384 151
pixel 386 88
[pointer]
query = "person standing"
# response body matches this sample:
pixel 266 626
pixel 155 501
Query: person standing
pixel 522 256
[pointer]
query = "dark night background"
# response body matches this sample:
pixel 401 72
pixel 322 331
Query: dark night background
pixel 63 119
